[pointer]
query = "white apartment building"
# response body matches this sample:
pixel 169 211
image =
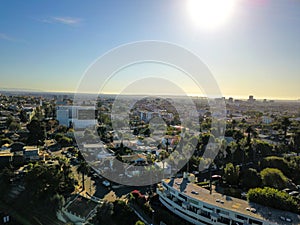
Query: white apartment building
pixel 80 117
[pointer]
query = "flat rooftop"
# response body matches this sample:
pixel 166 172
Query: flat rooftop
pixel 6 154
pixel 230 203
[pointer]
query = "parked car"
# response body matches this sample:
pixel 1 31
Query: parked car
pixel 106 183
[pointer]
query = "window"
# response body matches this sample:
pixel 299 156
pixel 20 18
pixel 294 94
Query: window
pixel 206 207
pixel 241 217
pixel 222 212
pixel 195 202
pixel 255 222
pixel 165 186
pixel 182 196
pixel 224 220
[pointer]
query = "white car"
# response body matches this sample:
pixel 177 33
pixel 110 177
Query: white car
pixel 253 210
pixel 106 183
pixel 288 219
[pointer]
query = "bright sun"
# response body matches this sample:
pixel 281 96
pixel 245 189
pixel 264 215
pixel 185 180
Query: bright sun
pixel 210 13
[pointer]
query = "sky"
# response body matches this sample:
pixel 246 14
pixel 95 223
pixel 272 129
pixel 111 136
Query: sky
pixel 49 45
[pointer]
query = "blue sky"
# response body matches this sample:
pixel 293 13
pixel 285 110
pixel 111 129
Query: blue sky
pixel 47 45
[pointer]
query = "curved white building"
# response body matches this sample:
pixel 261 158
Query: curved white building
pixel 196 205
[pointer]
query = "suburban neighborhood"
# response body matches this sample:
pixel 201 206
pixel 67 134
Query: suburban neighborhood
pixel 57 160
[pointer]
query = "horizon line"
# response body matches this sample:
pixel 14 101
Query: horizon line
pixel 238 97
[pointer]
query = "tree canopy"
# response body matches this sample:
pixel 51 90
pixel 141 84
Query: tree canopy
pixel 272 177
pixel 231 174
pixel 273 198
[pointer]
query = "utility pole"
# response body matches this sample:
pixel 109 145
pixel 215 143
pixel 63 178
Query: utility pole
pixel 210 179
pixel 167 145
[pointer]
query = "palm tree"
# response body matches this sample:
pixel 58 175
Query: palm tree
pixel 285 124
pixel 233 124
pixel 162 156
pixel 249 130
pixel 83 168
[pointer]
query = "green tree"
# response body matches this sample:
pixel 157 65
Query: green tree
pixel 65 167
pixel 7 173
pixel 23 116
pixel 123 214
pixel 272 177
pixel 5 141
pixel 14 126
pixel 9 120
pixel 249 131
pixel 278 163
pixel 233 124
pixel 297 141
pixel 231 174
pixel 57 202
pixel 263 148
pixel 44 181
pixel 104 213
pixel 273 198
pixel 36 132
pixel 65 141
pixel 250 178
pixel 83 168
pixel 285 125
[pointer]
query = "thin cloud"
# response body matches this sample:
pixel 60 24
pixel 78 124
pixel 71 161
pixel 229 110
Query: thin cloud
pixel 71 21
pixel 6 37
pixel 67 20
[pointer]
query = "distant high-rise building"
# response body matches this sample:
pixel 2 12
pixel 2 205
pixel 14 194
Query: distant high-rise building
pixel 251 98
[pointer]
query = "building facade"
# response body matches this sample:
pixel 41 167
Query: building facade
pixel 196 205
pixel 80 117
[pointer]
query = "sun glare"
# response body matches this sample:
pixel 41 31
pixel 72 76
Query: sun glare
pixel 210 13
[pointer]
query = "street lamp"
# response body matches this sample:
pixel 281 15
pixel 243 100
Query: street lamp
pixel 152 223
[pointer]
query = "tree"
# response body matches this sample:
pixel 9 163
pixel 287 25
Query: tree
pixel 65 167
pixel 278 163
pixel 9 120
pixel 117 212
pixel 233 124
pixel 123 214
pixel 36 132
pixel 7 173
pixel 231 174
pixel 65 141
pixel 57 202
pixel 14 126
pixel 285 124
pixel 104 213
pixel 43 181
pixel 5 141
pixel 89 136
pixel 273 198
pixel 272 177
pixel 83 168
pixel 249 130
pixel 23 116
pixel 264 148
pixel 238 135
pixel 62 129
pixel 250 178
pixel 297 141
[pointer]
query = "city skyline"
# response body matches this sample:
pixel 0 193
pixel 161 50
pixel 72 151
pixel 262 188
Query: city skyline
pixel 47 46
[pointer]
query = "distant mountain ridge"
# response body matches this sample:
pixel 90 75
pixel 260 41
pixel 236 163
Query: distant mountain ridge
pixel 19 90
